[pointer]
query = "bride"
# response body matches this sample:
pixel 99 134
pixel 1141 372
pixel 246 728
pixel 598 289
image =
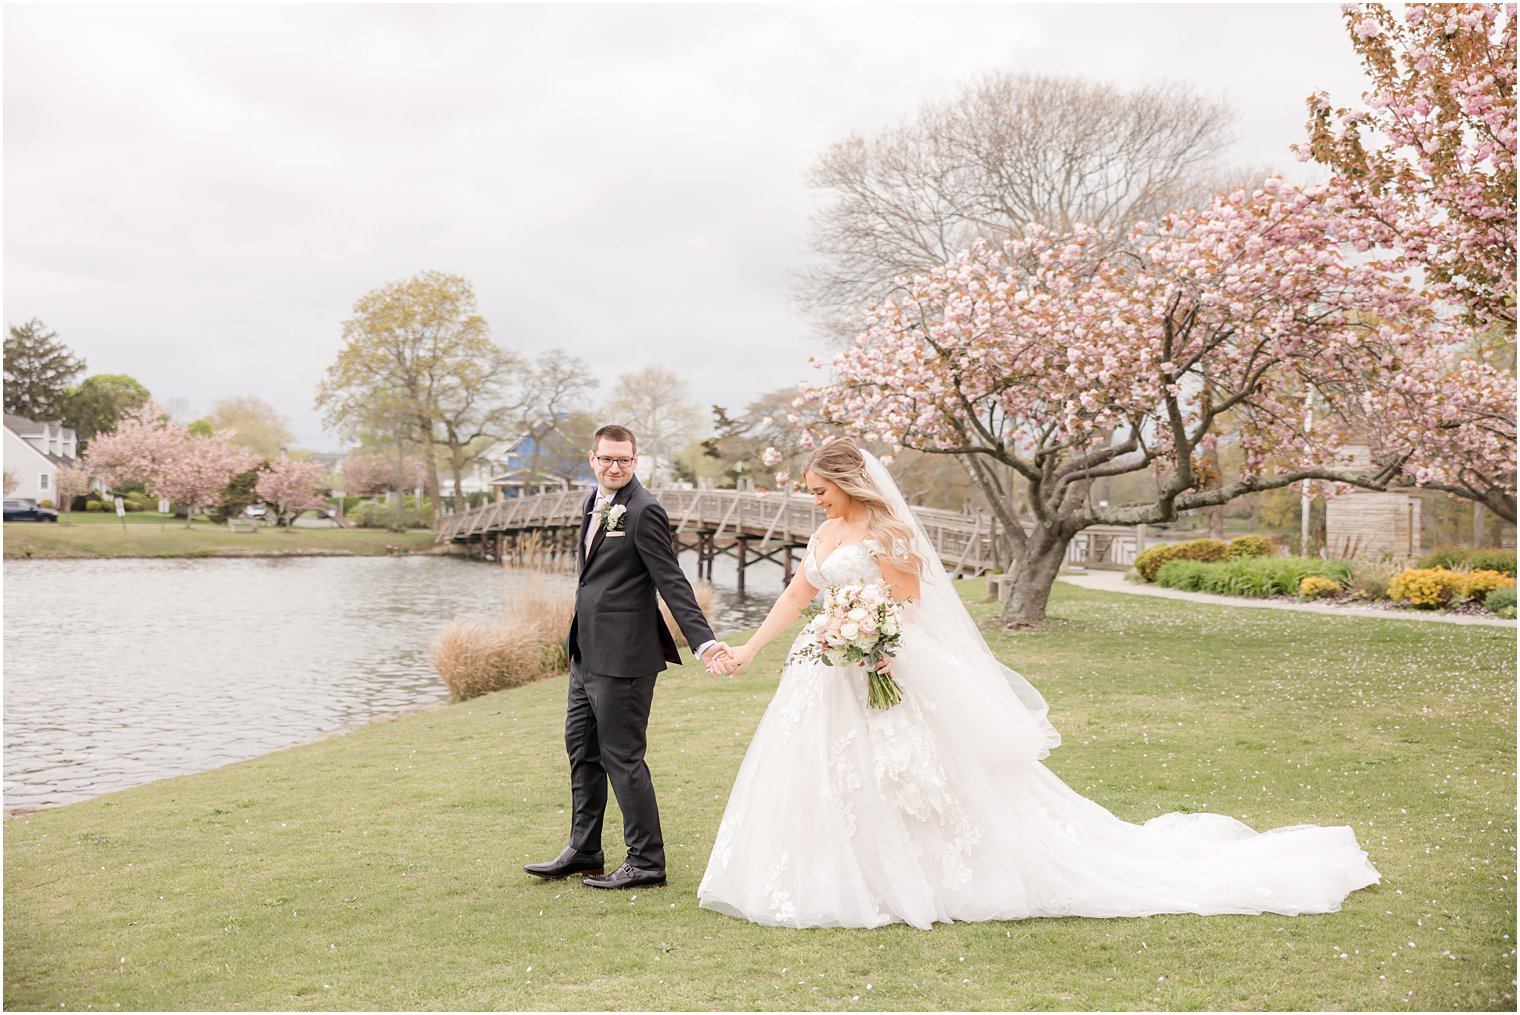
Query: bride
pixel 938 808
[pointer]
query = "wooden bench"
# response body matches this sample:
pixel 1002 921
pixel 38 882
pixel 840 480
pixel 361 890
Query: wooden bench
pixel 242 525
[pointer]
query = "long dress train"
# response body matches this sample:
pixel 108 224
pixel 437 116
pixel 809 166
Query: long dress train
pixel 939 809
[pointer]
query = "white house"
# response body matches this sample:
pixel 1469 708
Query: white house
pixel 35 453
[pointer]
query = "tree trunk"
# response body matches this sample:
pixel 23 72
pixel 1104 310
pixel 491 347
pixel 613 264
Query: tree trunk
pixel 1478 534
pixel 1041 561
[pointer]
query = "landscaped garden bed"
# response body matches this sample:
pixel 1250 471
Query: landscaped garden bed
pixel 1478 582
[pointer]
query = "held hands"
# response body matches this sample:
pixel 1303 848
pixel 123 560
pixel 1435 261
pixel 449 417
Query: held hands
pixel 719 659
pixel 742 657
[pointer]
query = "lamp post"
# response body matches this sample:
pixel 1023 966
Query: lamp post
pixel 1303 509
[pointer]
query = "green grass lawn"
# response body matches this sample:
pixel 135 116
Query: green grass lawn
pixel 381 869
pixel 150 534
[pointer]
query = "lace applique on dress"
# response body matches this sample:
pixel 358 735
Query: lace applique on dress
pixel 723 844
pixel 844 780
pixel 806 693
pixel 782 907
pixel 909 773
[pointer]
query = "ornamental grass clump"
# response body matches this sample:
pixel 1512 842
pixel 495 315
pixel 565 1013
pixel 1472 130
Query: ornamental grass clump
pixel 1150 562
pixel 1315 587
pixel 1186 575
pixel 1426 587
pixel 476 655
pixel 1369 578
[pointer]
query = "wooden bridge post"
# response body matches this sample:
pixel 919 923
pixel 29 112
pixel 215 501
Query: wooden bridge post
pixel 706 552
pixel 742 553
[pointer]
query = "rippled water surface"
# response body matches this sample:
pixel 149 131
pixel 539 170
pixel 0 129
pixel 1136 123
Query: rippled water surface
pixel 119 672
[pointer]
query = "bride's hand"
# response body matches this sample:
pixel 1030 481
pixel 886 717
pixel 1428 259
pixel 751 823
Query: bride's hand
pixel 884 665
pixel 743 656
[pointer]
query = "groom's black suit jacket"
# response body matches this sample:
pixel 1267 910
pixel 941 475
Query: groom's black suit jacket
pixel 617 630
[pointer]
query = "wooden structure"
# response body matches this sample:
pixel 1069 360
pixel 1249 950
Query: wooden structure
pixel 749 527
pixel 1363 524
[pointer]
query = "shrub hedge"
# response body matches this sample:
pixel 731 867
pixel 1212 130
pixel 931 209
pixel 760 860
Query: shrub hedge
pixel 1251 546
pixel 1257 577
pixel 1467 558
pixel 1500 600
pixel 1150 562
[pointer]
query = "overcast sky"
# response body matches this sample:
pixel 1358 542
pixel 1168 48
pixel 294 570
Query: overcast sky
pixel 196 195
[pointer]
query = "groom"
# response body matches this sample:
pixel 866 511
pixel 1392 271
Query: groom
pixel 618 644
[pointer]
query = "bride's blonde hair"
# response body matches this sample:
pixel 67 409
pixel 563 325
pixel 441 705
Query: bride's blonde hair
pixel 841 463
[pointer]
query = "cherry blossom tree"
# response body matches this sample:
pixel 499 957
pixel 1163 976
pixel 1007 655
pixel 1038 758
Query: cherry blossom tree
pixel 377 471
pixel 292 487
pixel 1066 363
pixel 71 482
pixel 169 461
pixel 1429 166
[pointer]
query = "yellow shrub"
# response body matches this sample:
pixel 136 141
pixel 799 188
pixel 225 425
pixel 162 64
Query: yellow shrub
pixel 1477 584
pixel 1428 587
pixel 1149 562
pixel 1313 587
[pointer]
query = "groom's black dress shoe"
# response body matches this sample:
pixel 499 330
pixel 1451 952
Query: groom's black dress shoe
pixel 571 861
pixel 627 876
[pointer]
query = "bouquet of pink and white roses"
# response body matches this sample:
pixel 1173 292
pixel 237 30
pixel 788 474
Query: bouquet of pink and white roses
pixel 858 624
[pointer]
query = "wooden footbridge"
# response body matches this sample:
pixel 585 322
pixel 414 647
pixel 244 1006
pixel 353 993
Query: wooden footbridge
pixel 750 527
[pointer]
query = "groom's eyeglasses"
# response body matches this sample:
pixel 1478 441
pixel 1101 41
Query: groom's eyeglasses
pixel 608 463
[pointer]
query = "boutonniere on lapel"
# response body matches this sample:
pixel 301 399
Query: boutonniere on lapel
pixel 611 515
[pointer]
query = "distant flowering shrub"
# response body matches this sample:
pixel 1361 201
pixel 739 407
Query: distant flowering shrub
pixel 1426 587
pixel 1476 585
pixel 1315 587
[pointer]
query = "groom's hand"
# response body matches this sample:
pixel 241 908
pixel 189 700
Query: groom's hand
pixel 718 659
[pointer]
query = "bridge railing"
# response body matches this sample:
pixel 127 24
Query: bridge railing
pixel 964 541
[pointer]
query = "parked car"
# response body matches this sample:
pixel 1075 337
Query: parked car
pixel 22 509
pixel 258 512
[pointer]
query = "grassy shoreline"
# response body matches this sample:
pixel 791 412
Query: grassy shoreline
pixel 380 869
pixel 145 534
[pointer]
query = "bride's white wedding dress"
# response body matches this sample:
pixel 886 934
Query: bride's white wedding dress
pixel 939 809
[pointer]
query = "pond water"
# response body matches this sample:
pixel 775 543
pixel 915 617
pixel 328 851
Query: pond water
pixel 120 672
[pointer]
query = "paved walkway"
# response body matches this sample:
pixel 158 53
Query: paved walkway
pixel 1113 581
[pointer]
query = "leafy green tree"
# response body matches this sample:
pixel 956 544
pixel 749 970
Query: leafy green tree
pixel 254 423
pixel 411 349
pixel 38 371
pixel 96 404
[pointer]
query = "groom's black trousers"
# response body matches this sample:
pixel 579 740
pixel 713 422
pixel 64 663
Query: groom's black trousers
pixel 606 724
